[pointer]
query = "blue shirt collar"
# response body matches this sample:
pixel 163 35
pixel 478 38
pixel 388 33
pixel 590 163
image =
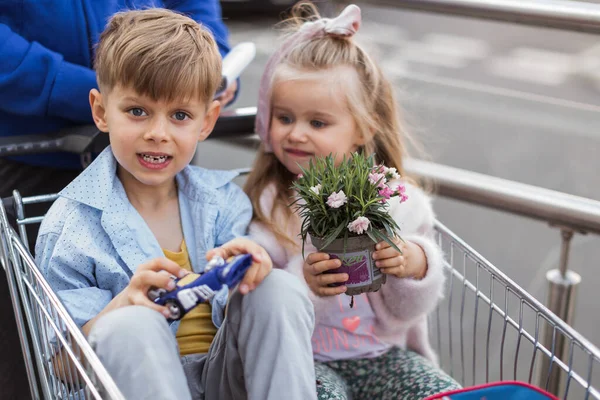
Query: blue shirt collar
pixel 93 188
pixel 99 187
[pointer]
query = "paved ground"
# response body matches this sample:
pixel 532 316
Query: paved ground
pixel 510 101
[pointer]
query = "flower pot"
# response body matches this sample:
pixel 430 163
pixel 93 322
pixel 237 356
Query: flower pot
pixel 357 262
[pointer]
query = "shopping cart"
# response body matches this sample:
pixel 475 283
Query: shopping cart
pixel 53 346
pixel 486 329
pixel 489 329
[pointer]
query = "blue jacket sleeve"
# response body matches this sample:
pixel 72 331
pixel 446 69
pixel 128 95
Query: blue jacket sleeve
pixel 208 13
pixel 39 82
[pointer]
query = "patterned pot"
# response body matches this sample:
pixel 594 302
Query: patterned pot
pixel 357 262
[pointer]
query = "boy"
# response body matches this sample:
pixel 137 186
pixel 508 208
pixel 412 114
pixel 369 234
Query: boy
pixel 139 213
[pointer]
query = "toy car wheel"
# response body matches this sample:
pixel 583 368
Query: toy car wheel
pixel 155 293
pixel 174 308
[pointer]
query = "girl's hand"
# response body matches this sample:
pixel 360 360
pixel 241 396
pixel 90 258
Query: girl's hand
pixel 412 263
pixel 257 272
pixel 314 267
pixel 155 273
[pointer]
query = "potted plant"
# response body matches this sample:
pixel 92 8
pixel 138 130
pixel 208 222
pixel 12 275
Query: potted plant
pixel 344 209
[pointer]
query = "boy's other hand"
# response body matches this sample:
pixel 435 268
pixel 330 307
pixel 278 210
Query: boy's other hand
pixel 259 269
pixel 314 267
pixel 155 273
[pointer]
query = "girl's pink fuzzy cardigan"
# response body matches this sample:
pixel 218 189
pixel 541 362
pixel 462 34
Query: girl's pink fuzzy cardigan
pixel 401 305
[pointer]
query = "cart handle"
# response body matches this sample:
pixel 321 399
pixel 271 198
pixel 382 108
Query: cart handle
pixel 87 139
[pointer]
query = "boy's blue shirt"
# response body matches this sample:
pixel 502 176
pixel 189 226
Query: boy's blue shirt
pixel 92 239
pixel 46 57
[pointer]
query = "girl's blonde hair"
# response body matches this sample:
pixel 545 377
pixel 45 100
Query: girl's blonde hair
pixel 371 101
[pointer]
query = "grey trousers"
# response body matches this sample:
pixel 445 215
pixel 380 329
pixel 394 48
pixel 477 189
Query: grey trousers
pixel 262 351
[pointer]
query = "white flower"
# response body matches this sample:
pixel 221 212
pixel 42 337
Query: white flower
pixel 392 173
pixel 316 189
pixel 359 225
pixel 336 200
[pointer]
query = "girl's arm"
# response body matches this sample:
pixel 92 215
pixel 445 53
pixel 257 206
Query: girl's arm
pixel 411 298
pixel 265 238
pixel 262 235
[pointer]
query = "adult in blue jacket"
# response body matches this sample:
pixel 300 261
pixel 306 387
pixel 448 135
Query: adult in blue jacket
pixel 46 56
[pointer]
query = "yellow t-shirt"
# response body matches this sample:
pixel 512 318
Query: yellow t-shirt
pixel 196 330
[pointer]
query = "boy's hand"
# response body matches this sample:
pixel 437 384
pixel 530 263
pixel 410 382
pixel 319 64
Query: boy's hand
pixel 259 269
pixel 314 267
pixel 412 263
pixel 155 273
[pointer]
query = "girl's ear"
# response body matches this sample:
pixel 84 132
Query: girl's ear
pixel 98 110
pixel 210 119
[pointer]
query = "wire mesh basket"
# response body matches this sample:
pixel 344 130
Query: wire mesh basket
pixel 60 362
pixel 489 329
pixel 486 329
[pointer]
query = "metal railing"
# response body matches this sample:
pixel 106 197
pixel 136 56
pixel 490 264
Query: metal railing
pixel 560 14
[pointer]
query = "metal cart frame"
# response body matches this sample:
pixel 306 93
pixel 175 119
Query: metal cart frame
pixel 486 329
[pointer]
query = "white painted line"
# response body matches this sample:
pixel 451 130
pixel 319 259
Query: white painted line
pixel 419 53
pixel 385 34
pixel 458 46
pixel 538 66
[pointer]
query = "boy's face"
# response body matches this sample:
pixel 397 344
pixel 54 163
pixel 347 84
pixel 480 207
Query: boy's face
pixel 151 140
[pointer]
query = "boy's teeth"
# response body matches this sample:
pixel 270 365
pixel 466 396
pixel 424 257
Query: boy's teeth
pixel 154 159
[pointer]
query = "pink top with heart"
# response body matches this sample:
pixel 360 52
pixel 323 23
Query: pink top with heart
pixel 348 334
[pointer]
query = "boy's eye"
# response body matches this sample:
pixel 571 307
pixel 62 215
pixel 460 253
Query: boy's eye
pixel 180 116
pixel 137 112
pixel 317 124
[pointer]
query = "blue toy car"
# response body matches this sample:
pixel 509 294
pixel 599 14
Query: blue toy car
pixel 194 289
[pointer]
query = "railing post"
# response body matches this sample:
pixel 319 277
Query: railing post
pixel 562 292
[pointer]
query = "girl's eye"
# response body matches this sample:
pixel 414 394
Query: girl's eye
pixel 137 112
pixel 180 116
pixel 317 124
pixel 284 119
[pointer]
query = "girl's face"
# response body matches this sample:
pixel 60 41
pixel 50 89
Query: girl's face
pixel 310 117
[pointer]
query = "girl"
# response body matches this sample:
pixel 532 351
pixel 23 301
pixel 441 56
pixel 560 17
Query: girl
pixel 321 94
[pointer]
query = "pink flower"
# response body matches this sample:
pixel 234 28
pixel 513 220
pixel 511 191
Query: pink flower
pixel 336 200
pixel 377 179
pixel 403 198
pixel 386 193
pixel 400 189
pixel 359 225
pixel 300 176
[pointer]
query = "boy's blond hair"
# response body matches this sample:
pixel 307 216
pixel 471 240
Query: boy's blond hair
pixel 160 54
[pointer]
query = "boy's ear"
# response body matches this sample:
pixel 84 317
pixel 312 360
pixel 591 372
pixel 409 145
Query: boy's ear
pixel 98 110
pixel 212 114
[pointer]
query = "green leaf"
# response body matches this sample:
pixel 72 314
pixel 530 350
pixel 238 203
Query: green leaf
pixel 387 239
pixel 333 235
